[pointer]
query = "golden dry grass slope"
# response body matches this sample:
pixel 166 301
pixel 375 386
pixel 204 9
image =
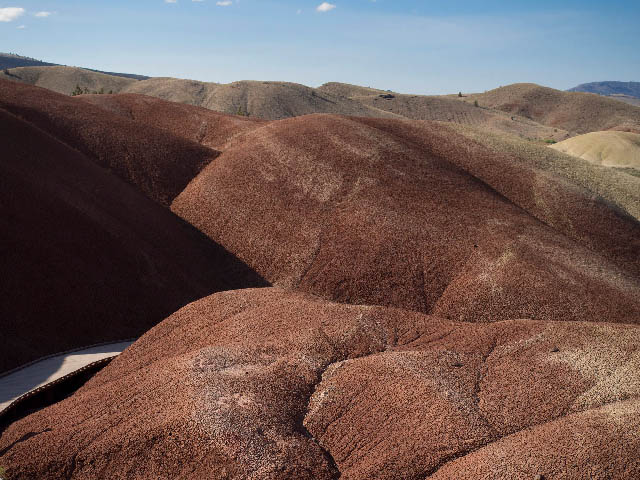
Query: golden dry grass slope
pixel 610 149
pixel 267 100
pixel 65 79
pixel 576 112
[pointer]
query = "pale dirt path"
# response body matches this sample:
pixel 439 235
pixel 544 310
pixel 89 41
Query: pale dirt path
pixel 35 375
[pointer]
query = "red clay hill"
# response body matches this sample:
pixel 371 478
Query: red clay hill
pixel 266 384
pixel 442 309
pixel 413 215
pixel 85 257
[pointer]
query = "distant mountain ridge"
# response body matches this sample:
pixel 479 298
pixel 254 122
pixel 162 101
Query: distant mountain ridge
pixel 608 88
pixel 12 60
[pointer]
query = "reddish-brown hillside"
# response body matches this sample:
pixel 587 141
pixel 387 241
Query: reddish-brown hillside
pixel 85 257
pixel 212 129
pixel 413 215
pixel 157 162
pixel 265 384
pixel 576 112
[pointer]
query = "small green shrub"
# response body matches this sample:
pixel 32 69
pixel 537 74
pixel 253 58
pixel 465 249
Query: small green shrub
pixel 475 103
pixel 460 94
pixel 550 141
pixel 3 474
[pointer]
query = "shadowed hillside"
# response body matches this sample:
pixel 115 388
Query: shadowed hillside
pixel 157 162
pixel 201 125
pixel 85 257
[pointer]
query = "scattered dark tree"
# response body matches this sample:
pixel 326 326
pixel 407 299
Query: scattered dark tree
pixel 475 103
pixel 460 94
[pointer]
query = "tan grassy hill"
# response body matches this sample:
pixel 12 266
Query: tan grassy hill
pixel 576 112
pixel 65 79
pixel 349 90
pixel 279 100
pixel 266 100
pixel 445 109
pixel 610 149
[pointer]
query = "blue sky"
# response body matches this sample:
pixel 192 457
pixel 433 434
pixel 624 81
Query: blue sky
pixel 434 46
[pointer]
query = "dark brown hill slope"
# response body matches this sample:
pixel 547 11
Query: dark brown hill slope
pixel 264 384
pixel 413 215
pixel 209 128
pixel 157 162
pixel 573 111
pixel 86 258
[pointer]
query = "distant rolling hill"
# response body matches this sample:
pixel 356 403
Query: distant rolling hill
pixel 576 112
pixel 11 60
pixel 526 110
pixel 64 80
pixel 629 89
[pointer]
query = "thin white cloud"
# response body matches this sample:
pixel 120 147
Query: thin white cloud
pixel 21 27
pixel 325 7
pixel 224 3
pixel 44 14
pixel 170 1
pixel 9 14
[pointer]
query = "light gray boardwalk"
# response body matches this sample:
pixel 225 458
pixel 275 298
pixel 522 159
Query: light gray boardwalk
pixel 50 369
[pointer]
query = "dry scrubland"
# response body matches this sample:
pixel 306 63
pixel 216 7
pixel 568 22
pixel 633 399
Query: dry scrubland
pixel 449 299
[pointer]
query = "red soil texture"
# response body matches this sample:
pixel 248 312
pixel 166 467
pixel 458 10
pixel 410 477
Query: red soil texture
pixel 268 384
pixel 413 215
pixel 157 162
pixel 85 257
pixel 209 128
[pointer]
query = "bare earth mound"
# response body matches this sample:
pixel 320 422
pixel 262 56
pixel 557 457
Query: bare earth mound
pixel 609 149
pixel 85 257
pixel 157 162
pixel 575 112
pixel 412 215
pixel 65 79
pixel 264 384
